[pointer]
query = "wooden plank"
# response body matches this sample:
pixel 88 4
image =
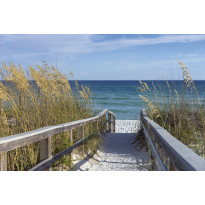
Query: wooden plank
pixel 71 136
pixel 97 125
pixel 48 162
pixel 3 161
pixel 19 140
pixel 108 111
pixel 107 127
pixel 113 123
pixel 103 120
pixel 44 136
pixel 181 156
pixel 91 128
pixel 45 150
pixel 71 140
pixel 78 134
pixel 105 117
pixel 101 126
pixel 157 159
pixel 109 122
pixel 83 132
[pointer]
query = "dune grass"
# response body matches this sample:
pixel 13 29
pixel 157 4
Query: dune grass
pixel 180 111
pixel 37 97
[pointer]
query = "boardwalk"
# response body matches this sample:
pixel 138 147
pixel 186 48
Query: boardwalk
pixel 118 153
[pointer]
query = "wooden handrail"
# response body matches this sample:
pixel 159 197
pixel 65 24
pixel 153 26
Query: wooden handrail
pixel 159 165
pixel 50 160
pixel 44 136
pixel 174 154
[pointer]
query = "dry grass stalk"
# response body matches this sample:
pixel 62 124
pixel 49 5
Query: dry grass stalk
pixel 183 118
pixel 34 98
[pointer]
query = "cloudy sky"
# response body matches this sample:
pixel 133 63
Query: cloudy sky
pixel 109 57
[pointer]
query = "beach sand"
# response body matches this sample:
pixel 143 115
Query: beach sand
pixel 117 152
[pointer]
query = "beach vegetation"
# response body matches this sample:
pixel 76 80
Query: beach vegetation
pixel 178 109
pixel 38 97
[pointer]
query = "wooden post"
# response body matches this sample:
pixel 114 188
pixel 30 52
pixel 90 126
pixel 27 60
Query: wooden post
pixel 97 126
pixel 78 133
pixel 109 123
pixel 45 150
pixel 101 131
pixel 103 121
pixel 3 161
pixel 105 118
pixel 71 140
pixel 71 136
pixel 82 137
pixel 83 132
pixel 113 123
pixel 91 128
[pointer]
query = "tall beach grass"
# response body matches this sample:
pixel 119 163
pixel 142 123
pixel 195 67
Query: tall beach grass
pixel 37 97
pixel 179 110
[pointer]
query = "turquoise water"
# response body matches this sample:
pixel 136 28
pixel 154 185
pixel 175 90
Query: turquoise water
pixel 121 97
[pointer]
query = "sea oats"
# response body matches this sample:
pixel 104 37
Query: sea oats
pixel 34 98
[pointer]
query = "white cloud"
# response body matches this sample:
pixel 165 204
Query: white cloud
pixel 76 44
pixel 90 46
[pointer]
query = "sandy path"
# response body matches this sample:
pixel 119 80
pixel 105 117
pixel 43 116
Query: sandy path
pixel 127 126
pixel 118 153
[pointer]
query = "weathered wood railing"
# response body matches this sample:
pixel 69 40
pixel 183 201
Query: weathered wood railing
pixel 106 118
pixel 165 151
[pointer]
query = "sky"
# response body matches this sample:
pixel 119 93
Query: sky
pixel 109 57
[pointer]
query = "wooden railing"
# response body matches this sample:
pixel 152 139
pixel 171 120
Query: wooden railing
pixel 106 119
pixel 166 152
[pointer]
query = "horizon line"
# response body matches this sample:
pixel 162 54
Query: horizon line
pixel 136 80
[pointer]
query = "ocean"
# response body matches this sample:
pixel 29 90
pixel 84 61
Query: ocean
pixel 122 98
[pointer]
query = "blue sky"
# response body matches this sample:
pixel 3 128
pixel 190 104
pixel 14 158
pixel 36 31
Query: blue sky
pixel 109 57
